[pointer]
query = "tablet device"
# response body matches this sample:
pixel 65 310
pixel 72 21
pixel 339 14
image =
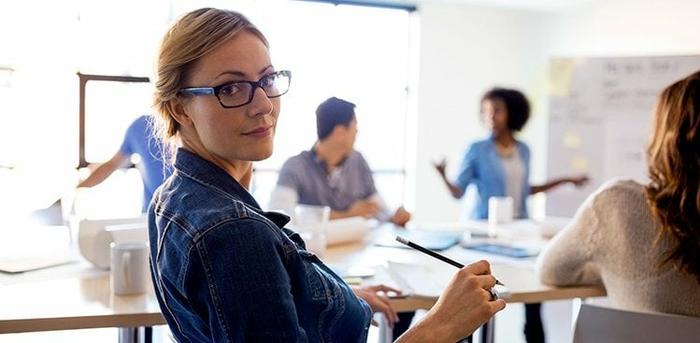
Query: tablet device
pixel 502 249
pixel 436 240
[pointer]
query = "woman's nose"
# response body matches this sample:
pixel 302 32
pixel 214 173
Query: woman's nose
pixel 261 104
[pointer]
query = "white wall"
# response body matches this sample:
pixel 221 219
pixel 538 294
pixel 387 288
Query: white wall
pixel 628 28
pixel 465 50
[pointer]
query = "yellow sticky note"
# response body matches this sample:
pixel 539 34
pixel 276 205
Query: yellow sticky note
pixel 572 140
pixel 560 73
pixel 579 164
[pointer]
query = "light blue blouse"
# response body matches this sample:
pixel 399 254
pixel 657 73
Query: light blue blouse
pixel 482 166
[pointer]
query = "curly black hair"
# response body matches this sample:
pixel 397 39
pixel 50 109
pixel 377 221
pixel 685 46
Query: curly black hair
pixel 516 104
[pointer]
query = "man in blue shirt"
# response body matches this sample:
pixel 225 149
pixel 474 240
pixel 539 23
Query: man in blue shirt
pixel 139 139
pixel 332 173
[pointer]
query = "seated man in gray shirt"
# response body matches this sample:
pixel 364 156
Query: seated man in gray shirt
pixel 332 173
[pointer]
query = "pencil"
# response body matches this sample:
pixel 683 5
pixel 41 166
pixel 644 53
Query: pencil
pixel 434 254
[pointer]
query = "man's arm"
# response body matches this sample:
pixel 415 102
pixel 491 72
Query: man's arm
pixel 360 208
pixel 104 170
pixel 399 216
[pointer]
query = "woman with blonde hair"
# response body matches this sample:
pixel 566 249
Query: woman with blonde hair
pixel 642 242
pixel 223 269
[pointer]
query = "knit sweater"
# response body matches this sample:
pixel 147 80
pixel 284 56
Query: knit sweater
pixel 611 241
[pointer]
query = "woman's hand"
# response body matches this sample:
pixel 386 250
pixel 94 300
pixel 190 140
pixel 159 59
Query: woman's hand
pixel 463 307
pixel 441 166
pixel 377 299
pixel 579 180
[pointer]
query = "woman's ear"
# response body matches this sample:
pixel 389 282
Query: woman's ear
pixel 179 113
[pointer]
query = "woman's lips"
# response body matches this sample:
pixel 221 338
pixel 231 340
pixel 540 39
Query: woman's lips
pixel 260 132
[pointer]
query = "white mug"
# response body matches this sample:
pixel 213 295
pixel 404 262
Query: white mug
pixel 129 266
pixel 311 221
pixel 500 212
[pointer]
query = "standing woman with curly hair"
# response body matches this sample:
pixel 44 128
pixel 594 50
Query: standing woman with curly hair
pixel 500 166
pixel 642 242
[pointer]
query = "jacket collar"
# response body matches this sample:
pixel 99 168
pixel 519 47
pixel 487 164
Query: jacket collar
pixel 212 175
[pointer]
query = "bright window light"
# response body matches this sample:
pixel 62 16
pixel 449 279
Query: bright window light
pixel 356 53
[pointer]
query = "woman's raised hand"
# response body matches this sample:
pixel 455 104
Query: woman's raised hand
pixel 441 166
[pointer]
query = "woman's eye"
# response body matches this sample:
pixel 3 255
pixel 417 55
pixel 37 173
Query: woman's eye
pixel 269 81
pixel 229 90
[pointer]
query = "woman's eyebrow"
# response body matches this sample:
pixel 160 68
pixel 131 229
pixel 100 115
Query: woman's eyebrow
pixel 240 73
pixel 231 72
pixel 266 68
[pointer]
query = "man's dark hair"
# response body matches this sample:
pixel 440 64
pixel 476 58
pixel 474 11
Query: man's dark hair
pixel 331 113
pixel 516 104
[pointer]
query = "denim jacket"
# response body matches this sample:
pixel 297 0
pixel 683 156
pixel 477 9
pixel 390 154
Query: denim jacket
pixel 482 166
pixel 226 271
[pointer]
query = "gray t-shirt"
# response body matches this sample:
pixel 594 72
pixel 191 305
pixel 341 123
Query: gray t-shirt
pixel 514 170
pixel 349 182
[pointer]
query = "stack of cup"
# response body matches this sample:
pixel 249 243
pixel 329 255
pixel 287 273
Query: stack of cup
pixel 311 222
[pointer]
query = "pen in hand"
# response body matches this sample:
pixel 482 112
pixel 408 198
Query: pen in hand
pixel 434 254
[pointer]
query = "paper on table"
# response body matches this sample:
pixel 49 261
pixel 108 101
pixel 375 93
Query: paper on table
pixel 421 280
pixel 346 230
pixel 428 281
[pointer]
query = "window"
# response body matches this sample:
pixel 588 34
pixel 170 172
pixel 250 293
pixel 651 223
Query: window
pixel 108 104
pixel 356 53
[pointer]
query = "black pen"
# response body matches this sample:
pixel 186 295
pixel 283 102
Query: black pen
pixel 434 254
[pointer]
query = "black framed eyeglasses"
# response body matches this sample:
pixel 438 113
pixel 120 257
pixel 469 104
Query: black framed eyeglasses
pixel 241 93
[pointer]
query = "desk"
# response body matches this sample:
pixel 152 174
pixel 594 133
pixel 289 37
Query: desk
pixel 518 275
pixel 78 296
pixel 74 296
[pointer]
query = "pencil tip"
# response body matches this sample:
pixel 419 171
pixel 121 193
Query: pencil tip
pixel 402 240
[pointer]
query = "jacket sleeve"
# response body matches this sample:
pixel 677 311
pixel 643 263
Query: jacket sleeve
pixel 239 285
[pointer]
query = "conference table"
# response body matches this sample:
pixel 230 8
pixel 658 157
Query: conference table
pixel 78 296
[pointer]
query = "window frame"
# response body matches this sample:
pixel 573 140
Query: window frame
pixel 83 80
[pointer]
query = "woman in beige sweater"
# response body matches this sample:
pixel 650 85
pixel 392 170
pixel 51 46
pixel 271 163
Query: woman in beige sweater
pixel 642 242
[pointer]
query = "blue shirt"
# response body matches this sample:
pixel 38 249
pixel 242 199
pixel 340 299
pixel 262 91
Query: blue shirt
pixel 226 271
pixel 307 175
pixel 139 139
pixel 482 166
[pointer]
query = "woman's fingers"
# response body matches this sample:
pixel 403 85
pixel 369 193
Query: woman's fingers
pixel 385 289
pixel 479 268
pixel 389 313
pixel 388 310
pixel 497 305
pixel 486 281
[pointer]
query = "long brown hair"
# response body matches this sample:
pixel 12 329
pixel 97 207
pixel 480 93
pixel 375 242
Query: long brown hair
pixel 674 169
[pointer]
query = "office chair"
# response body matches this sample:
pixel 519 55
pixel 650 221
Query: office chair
pixel 607 325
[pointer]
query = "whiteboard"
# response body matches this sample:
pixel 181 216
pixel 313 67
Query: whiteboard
pixel 600 112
